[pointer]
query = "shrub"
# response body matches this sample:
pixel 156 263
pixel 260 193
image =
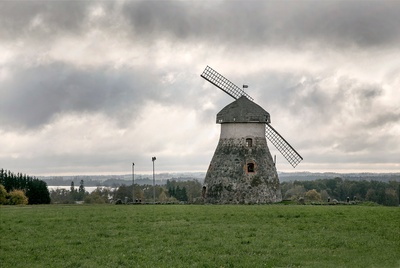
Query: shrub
pixel 312 195
pixel 94 198
pixel 17 197
pixel 3 195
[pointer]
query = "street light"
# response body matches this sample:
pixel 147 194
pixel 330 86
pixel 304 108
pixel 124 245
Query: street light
pixel 154 181
pixel 133 182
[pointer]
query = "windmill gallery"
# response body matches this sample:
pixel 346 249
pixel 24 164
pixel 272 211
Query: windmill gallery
pixel 242 169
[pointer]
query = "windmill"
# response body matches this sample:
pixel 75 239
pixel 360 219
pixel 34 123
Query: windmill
pixel 242 169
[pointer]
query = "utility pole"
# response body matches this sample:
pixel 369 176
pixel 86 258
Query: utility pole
pixel 133 182
pixel 154 181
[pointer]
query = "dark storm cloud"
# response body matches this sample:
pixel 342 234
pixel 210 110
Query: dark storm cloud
pixel 58 16
pixel 285 23
pixel 360 23
pixel 46 91
pixel 49 90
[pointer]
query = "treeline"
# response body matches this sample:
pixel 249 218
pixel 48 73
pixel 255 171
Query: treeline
pixel 173 191
pixel 311 176
pixel 343 190
pixel 63 196
pixel 22 189
pixel 109 181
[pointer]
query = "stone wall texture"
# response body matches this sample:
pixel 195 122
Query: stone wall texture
pixel 229 180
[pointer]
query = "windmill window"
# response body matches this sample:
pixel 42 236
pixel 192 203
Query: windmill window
pixel 249 142
pixel 250 167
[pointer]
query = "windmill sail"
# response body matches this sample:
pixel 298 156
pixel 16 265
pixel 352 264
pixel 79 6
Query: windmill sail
pixel 293 157
pixel 224 84
pixel 218 80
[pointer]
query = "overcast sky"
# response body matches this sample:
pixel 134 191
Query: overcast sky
pixel 88 87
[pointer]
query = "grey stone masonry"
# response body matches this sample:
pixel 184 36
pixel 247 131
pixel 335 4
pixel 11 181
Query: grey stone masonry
pixel 242 170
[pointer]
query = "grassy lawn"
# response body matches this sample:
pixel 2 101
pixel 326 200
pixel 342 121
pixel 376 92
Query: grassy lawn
pixel 199 236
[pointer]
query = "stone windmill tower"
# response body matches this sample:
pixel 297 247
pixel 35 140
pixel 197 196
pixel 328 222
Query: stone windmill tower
pixel 242 169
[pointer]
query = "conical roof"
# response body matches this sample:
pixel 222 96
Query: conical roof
pixel 243 110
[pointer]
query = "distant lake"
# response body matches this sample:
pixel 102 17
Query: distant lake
pixel 88 189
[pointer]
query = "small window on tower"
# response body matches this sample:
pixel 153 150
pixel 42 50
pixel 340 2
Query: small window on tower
pixel 250 167
pixel 249 142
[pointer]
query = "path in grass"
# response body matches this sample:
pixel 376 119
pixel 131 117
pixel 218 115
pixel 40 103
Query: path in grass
pixel 199 236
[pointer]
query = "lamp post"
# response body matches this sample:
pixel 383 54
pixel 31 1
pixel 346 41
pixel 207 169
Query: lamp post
pixel 133 182
pixel 154 181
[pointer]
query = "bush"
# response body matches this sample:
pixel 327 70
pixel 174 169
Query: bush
pixel 94 199
pixel 17 197
pixel 3 195
pixel 312 195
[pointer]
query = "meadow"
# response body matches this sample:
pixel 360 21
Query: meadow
pixel 199 236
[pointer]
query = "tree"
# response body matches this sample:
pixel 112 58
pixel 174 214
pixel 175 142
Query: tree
pixel 37 192
pixel 296 192
pixel 2 176
pixel 371 195
pixel 98 196
pixel 123 192
pixel 81 191
pixel 179 190
pixel 81 187
pixel 391 198
pixel 72 187
pixel 138 193
pixel 324 195
pixel 162 197
pixel 61 196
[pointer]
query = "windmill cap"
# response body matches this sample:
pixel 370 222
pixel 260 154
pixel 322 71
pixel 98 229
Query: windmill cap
pixel 243 110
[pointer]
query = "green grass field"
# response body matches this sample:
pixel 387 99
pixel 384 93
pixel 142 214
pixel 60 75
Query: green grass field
pixel 199 236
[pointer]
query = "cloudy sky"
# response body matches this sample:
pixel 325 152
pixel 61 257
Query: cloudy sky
pixel 88 87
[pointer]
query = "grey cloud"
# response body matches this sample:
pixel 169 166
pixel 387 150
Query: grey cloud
pixel 283 23
pixel 331 101
pixel 384 118
pixel 36 95
pixel 337 23
pixel 46 91
pixel 57 16
pixel 362 121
